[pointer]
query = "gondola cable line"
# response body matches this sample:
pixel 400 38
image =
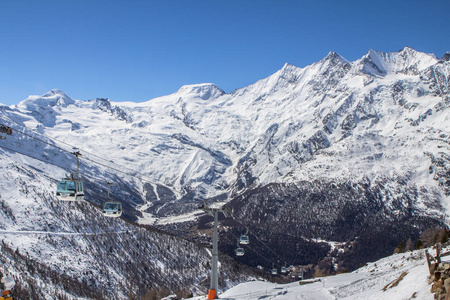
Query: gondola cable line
pixel 39 159
pixel 256 252
pixel 239 251
pixel 45 142
pixel 3 231
pixel 253 234
pixel 72 189
pixel 46 162
pixel 119 169
pixel 136 175
pixel 55 233
pixel 117 206
pixel 79 195
pixel 64 186
pixel 61 233
pixel 259 254
pixel 59 141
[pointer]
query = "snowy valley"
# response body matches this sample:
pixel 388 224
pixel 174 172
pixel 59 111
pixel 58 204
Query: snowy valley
pixel 354 154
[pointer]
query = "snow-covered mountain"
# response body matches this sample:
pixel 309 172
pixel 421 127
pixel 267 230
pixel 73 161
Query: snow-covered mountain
pixel 200 142
pixel 331 151
pixel 69 250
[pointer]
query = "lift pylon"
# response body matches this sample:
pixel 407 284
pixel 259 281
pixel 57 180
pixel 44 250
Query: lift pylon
pixel 212 293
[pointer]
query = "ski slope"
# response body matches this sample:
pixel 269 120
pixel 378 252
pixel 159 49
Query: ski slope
pixel 373 281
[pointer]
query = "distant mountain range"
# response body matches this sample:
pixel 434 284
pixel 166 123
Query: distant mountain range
pixel 337 151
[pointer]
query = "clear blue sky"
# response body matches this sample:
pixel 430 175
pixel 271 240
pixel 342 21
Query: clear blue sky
pixel 138 50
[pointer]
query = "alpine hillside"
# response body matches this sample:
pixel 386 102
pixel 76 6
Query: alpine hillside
pixel 338 152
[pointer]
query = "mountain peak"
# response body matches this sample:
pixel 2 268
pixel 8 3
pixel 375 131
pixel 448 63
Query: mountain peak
pixel 407 61
pixel 288 68
pixel 204 91
pixel 334 55
pixel 55 92
pixel 52 98
pixel 408 50
pixel 446 56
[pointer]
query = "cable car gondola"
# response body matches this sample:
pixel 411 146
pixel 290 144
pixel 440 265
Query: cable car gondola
pixel 274 270
pixel 239 251
pixel 112 208
pixel 244 239
pixel 283 270
pixel 71 189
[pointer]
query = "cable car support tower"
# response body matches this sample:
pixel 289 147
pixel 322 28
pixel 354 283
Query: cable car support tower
pixel 212 293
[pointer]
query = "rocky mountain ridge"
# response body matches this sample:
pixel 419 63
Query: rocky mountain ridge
pixel 377 126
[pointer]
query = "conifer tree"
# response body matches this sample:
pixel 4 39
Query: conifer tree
pixel 409 245
pixel 419 244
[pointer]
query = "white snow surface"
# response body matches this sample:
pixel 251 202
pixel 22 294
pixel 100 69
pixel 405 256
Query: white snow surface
pixel 197 139
pixel 366 283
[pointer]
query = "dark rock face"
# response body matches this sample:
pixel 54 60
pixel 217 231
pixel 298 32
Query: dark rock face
pixel 446 56
pixel 104 104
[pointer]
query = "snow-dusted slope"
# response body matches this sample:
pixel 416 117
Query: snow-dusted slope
pixel 358 144
pixel 329 119
pixel 375 281
pixel 59 249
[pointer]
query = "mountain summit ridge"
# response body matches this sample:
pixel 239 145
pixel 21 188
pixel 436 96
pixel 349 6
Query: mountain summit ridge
pixel 323 103
pixel 336 151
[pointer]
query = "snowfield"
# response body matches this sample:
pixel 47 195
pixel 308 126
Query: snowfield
pixel 373 281
pixel 354 154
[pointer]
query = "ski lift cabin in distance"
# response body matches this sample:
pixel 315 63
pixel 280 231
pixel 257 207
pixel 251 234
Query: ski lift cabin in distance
pixel 244 239
pixel 274 270
pixel 239 251
pixel 112 208
pixel 71 189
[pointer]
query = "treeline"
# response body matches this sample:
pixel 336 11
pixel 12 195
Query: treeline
pixel 428 237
